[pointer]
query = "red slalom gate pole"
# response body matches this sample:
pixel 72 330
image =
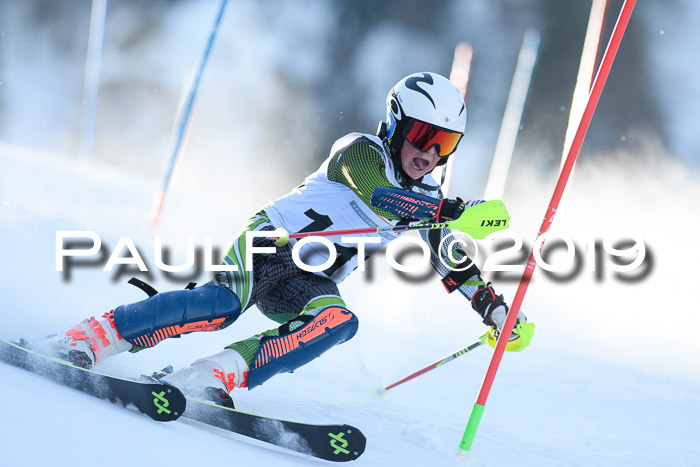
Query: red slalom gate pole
pixel 594 96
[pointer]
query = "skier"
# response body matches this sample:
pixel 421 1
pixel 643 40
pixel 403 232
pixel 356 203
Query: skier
pixel 426 118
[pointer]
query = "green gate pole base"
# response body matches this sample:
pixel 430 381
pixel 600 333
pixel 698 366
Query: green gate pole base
pixel 470 431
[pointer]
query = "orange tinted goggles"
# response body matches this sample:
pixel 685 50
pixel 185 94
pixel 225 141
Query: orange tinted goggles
pixel 424 135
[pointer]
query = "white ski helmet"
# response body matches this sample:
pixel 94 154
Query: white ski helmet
pixel 428 110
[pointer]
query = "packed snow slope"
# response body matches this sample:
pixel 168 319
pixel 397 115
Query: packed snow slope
pixel 612 376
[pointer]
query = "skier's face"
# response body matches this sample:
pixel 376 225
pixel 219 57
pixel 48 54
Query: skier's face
pixel 415 162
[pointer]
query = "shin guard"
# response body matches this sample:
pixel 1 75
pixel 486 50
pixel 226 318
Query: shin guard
pixel 207 308
pixel 290 350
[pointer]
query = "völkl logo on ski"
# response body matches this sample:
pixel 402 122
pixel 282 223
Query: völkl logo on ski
pixel 339 449
pixel 160 397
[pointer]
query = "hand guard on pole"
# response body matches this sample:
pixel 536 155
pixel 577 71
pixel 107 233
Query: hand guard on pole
pixel 481 218
pixel 493 309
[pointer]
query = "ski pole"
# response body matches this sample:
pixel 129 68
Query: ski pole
pixel 477 221
pixel 594 96
pixel 389 228
pixel 449 358
pixel 284 236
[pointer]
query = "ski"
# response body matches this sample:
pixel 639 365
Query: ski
pixel 338 443
pixel 157 400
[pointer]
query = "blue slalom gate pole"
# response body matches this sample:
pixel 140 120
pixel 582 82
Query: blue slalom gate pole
pixel 91 83
pixel 184 117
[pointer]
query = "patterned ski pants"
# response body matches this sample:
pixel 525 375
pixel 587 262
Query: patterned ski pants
pixel 276 285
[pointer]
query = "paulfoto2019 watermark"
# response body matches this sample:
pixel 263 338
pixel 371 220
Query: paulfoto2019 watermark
pixel 456 252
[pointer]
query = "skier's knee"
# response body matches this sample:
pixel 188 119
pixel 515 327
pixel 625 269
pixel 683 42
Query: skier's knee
pixel 300 341
pixel 168 314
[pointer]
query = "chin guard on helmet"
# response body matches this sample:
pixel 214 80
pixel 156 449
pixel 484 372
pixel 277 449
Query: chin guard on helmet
pixel 171 314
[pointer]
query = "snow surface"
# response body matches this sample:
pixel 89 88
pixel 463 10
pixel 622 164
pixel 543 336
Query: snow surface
pixel 612 376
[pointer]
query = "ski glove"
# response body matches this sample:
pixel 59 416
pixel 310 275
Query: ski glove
pixel 493 309
pixel 449 209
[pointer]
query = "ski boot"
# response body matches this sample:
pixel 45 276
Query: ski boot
pixel 216 395
pixel 211 378
pixel 87 343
